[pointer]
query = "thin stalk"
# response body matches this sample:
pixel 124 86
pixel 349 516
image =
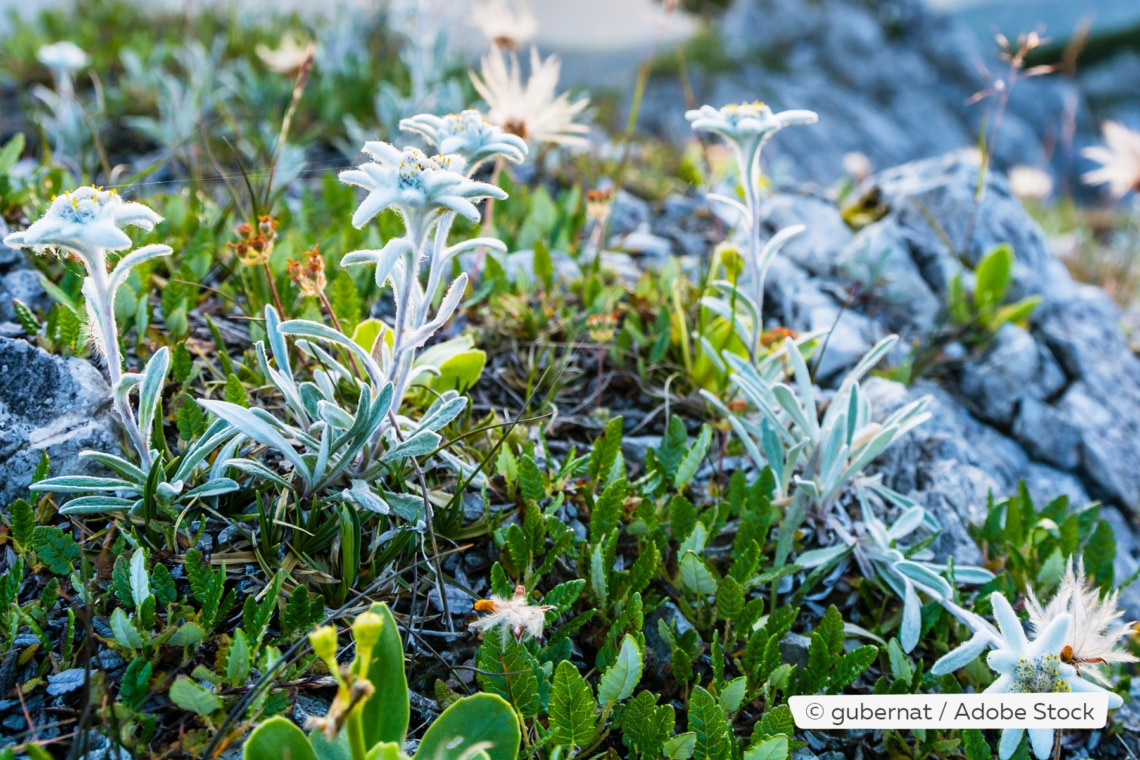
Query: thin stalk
pixel 273 289
pixel 435 265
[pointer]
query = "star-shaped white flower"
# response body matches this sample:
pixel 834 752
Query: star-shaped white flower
pixel 746 126
pixel 1024 667
pixel 531 111
pixel 506 24
pixel 1120 160
pixel 86 222
pixel 63 57
pixel 416 185
pixel 467 134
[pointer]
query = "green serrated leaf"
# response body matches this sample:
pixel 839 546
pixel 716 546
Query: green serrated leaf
pixel 190 418
pixel 607 448
pixel 646 726
pixel 831 629
pixel 189 696
pixel 707 721
pixel 135 684
pixel 814 675
pixel 235 391
pixel 238 659
pixel 606 514
pixel 23 524
pixel 162 583
pixel 573 711
pixel 56 549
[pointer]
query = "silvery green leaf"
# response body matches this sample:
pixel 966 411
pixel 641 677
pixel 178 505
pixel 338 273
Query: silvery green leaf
pixel 803 384
pixel 696 576
pixel 971 575
pixel 790 404
pixel 122 466
pixel 908 522
pixel 218 432
pixel 81 484
pixel 150 391
pixel 140 578
pixel 125 633
pixel 384 259
pixel 362 495
pixel 90 505
pixel 869 360
pixel 213 487
pixel 723 310
pixel 447 307
pixel 228 451
pixel 737 426
pixel 311 398
pixel 252 427
pixel 731 202
pixel 443 411
pixel 168 490
pixel 420 444
pixel 408 507
pixel 277 344
pixel 775 243
pixel 124 266
pixel 711 353
pixel 924 576
pixel 490 243
pixel 911 626
pixel 305 328
pixel 820 557
pixel 258 470
pixel 334 415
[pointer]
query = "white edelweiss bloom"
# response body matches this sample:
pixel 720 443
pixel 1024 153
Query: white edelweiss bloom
pixel 467 134
pixel 1096 627
pixel 85 221
pixel 64 57
pixel 1120 160
pixel 416 185
pixel 515 615
pixel 506 24
pixel 1024 667
pixel 531 111
pixel 747 126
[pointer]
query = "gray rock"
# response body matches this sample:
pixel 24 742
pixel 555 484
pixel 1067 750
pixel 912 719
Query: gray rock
pixel 47 403
pixel 690 224
pixel 826 234
pixel 643 243
pixel 10 258
pixel 1013 368
pixel 23 285
pixel 794 649
pixel 627 213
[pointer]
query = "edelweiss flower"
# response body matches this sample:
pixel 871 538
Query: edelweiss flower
pixel 1120 160
pixel 514 614
pixel 62 57
pixel 746 126
pixel 531 111
pixel 1096 629
pixel 505 24
pixel 86 222
pixel 417 185
pixel 469 135
pixel 1024 667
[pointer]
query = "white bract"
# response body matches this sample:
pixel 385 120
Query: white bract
pixel 746 127
pixel 1023 667
pixel 467 134
pixel 1120 160
pixel 532 110
pixel 64 59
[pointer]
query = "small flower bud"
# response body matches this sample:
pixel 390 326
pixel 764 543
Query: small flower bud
pixel 324 643
pixel 366 629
